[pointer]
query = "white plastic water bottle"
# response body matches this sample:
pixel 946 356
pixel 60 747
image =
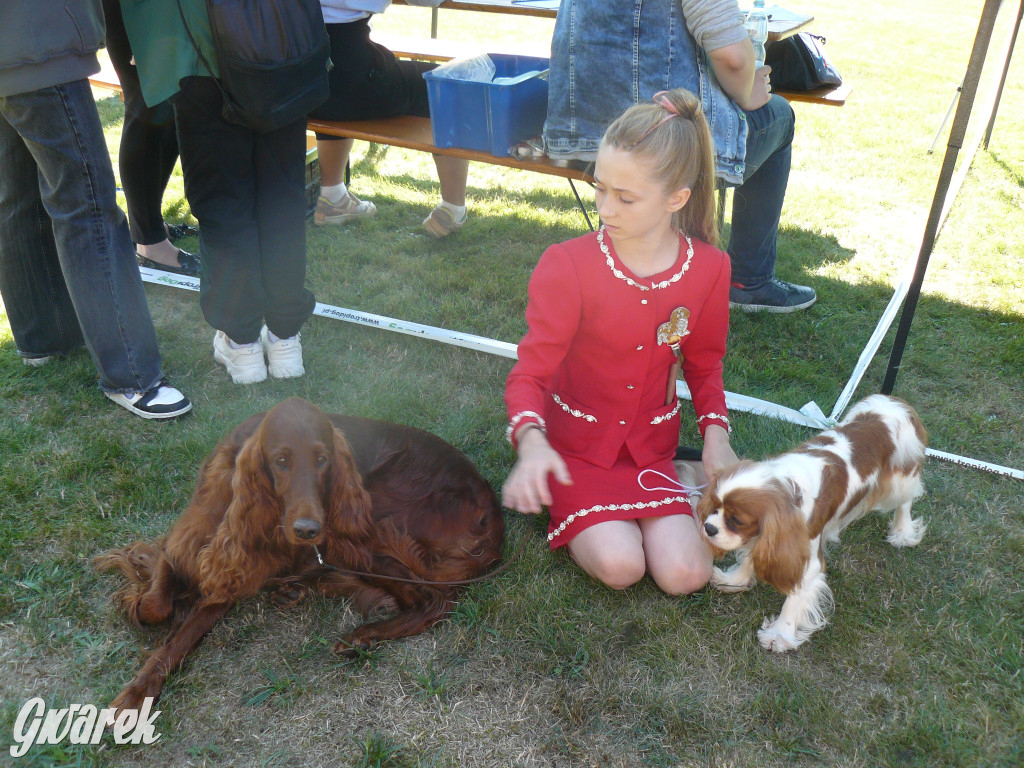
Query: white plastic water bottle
pixel 757 27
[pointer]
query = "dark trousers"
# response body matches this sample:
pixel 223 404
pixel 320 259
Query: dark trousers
pixel 149 145
pixel 248 192
pixel 367 81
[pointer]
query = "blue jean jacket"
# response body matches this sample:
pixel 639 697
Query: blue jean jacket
pixel 603 61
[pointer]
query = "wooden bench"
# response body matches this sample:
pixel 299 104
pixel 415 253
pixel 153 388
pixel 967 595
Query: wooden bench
pixel 410 132
pixel 106 79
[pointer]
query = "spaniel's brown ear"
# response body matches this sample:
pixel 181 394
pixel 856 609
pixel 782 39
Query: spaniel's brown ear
pixel 349 506
pixel 254 514
pixel 782 549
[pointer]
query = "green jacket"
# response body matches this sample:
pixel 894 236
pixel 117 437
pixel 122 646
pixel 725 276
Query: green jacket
pixel 163 52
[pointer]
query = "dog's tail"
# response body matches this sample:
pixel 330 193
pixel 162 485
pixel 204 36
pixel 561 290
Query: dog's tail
pixel 136 563
pixel 910 440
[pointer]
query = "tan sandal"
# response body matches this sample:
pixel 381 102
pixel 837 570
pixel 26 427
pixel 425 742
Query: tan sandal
pixel 441 223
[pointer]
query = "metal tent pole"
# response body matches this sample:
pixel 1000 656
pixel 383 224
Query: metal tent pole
pixel 1002 77
pixel 956 140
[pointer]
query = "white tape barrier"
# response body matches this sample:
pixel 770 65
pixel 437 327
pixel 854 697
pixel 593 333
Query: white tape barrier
pixel 468 340
pixel 995 468
pixel 884 324
pixel 810 415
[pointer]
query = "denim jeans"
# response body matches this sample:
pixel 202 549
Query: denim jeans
pixel 248 192
pixel 757 204
pixel 68 272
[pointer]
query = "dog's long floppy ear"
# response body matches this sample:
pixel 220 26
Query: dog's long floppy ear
pixel 349 506
pixel 782 549
pixel 253 516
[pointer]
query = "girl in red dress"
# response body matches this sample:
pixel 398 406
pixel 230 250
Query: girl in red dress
pixel 592 404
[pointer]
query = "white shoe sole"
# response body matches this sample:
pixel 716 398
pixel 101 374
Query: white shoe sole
pixel 771 309
pixel 288 369
pixel 123 402
pixel 249 374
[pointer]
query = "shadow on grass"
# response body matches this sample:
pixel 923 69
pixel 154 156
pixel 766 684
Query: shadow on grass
pixel 1011 172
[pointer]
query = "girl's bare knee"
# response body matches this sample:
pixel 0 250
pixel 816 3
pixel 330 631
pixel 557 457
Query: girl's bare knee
pixel 618 573
pixel 683 579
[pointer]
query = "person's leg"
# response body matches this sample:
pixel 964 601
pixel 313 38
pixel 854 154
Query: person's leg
pixel 677 557
pixel 147 155
pixel 220 184
pixel 336 204
pixel 611 552
pixel 61 128
pixel 757 209
pixel 333 155
pixel 452 173
pixel 38 306
pixel 281 221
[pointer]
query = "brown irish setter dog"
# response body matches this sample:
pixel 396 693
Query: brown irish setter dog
pixel 290 486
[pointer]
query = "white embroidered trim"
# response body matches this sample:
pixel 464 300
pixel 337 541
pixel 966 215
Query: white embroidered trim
pixel 667 416
pixel 612 508
pixel 653 286
pixel 514 422
pixel 719 416
pixel 573 411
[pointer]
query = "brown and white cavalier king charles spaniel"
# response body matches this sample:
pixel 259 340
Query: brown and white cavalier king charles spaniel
pixel 778 514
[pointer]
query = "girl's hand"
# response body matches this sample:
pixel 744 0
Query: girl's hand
pixel 718 453
pixel 526 488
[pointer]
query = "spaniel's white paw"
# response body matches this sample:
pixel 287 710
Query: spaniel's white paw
pixel 732 580
pixel 775 636
pixel 907 535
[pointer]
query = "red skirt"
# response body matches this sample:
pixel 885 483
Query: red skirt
pixel 623 492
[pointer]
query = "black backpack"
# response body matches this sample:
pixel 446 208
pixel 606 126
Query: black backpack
pixel 799 63
pixel 273 57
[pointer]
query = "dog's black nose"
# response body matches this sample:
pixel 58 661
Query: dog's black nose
pixel 710 529
pixel 306 529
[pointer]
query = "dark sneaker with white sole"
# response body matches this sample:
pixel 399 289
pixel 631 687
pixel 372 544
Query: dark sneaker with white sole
pixel 775 296
pixel 159 402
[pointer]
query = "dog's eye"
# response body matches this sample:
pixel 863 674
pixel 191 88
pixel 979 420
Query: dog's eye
pixel 282 462
pixel 732 522
pixel 321 460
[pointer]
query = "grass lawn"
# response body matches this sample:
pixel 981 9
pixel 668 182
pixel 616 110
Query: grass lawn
pixel 923 662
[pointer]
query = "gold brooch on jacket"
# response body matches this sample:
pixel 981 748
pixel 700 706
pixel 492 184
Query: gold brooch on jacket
pixel 673 331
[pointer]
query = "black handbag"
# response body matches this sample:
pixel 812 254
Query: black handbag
pixel 273 57
pixel 799 63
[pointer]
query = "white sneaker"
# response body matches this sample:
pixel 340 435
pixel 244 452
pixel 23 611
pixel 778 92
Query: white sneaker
pixel 35 362
pixel 159 402
pixel 284 356
pixel 245 362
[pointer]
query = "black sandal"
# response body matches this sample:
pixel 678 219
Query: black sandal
pixel 188 264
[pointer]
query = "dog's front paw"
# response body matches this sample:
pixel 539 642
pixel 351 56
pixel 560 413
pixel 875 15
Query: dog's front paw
pixel 908 535
pixel 135 694
pixel 731 580
pixel 775 636
pixel 350 648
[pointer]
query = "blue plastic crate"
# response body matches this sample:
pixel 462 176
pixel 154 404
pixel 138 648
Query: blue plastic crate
pixel 490 117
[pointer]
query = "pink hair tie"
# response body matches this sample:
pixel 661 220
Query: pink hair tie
pixel 662 100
